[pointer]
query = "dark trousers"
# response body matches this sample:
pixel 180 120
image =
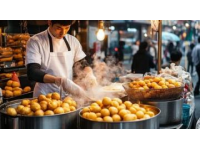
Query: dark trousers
pixel 196 90
pixel 190 64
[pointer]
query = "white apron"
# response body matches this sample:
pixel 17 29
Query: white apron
pixel 60 65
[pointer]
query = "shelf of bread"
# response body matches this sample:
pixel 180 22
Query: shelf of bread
pixel 17 40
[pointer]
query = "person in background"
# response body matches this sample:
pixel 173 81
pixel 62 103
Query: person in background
pixel 142 60
pixel 121 52
pixel 189 58
pixel 168 50
pixel 196 61
pixel 175 57
pixel 135 48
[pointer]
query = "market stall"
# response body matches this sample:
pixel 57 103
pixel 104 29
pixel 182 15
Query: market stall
pixel 162 100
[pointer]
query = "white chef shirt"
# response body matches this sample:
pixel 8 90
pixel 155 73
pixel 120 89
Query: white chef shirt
pixel 38 48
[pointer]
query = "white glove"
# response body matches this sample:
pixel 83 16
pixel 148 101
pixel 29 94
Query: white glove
pixel 90 80
pixel 72 88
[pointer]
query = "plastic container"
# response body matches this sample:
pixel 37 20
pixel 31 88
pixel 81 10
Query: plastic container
pixel 186 114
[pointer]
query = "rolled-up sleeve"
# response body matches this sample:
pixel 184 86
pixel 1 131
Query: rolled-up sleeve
pixel 33 54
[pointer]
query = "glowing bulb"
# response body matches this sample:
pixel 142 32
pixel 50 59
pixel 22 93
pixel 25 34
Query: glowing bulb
pixel 145 35
pixel 100 35
pixel 187 25
pixel 174 27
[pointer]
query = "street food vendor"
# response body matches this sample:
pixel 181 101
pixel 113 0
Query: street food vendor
pixel 50 57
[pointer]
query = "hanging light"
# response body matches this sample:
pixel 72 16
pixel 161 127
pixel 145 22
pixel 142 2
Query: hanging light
pixel 101 32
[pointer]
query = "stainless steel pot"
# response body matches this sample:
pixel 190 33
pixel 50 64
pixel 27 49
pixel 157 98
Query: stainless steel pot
pixel 152 123
pixel 60 121
pixel 171 111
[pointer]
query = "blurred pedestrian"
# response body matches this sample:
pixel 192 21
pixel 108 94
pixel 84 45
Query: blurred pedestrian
pixel 175 57
pixel 168 50
pixel 196 61
pixel 189 58
pixel 135 48
pixel 119 53
pixel 142 60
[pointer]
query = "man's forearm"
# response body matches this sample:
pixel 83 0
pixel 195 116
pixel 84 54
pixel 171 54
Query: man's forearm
pixel 49 78
pixel 35 74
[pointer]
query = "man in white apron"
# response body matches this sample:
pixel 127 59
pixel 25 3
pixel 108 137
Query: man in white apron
pixel 50 56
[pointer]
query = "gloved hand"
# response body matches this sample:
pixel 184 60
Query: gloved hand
pixel 90 80
pixel 72 88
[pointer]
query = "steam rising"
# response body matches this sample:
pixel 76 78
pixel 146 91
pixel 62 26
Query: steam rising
pixel 102 75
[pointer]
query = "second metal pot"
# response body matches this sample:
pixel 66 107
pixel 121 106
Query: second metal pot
pixel 151 123
pixel 171 111
pixel 60 121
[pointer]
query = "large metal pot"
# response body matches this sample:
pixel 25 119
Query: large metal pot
pixel 60 121
pixel 152 123
pixel 171 111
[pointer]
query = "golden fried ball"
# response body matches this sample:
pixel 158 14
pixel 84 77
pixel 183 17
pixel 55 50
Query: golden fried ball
pixel 17 93
pixel 48 112
pixel 92 116
pixel 55 95
pixel 31 113
pixel 99 119
pixel 106 101
pixel 118 100
pixel 25 111
pixel 114 103
pixel 19 108
pixel 52 105
pixel 44 106
pixel 132 110
pixel 25 102
pixel 8 88
pixel 108 119
pixel 72 108
pixel 49 95
pixel 116 118
pixel 95 109
pixel 11 111
pixel 42 97
pixel 15 84
pixel 65 105
pixel 66 109
pixel 27 89
pixel 113 110
pixel 140 114
pixel 9 83
pixel 8 93
pixel 39 113
pixel 128 104
pixel 35 106
pixel 59 110
pixel 129 117
pixel 105 112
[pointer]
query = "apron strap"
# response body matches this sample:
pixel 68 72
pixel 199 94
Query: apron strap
pixel 67 44
pixel 51 43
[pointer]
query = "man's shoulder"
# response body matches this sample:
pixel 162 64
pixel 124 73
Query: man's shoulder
pixel 71 38
pixel 39 36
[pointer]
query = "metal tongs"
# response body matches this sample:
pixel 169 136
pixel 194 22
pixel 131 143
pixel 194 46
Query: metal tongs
pixel 61 91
